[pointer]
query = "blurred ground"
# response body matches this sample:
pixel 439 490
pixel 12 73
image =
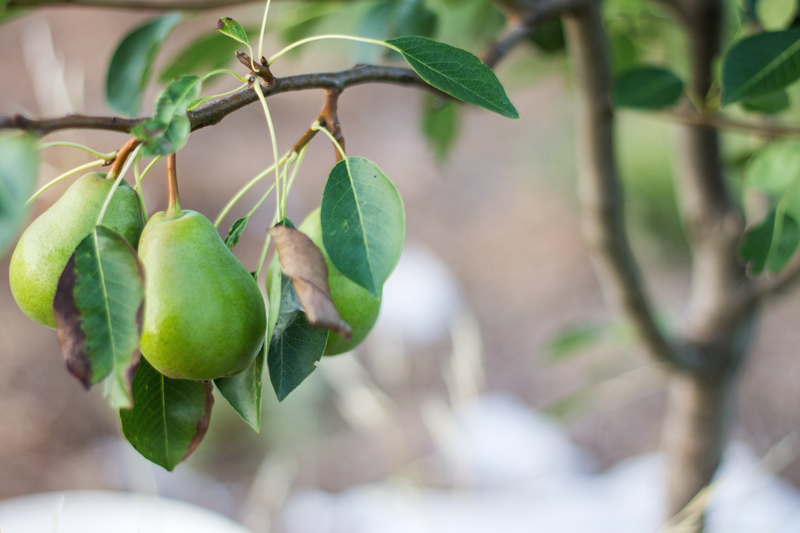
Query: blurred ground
pixel 501 215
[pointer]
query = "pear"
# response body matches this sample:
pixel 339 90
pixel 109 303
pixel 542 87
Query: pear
pixel 45 247
pixel 356 305
pixel 204 316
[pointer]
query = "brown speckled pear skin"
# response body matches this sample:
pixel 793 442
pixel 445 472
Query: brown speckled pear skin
pixel 356 305
pixel 45 247
pixel 204 316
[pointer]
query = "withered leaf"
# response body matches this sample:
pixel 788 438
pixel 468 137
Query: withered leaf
pixel 98 309
pixel 304 264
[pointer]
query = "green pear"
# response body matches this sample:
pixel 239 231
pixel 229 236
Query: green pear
pixel 45 247
pixel 204 316
pixel 356 305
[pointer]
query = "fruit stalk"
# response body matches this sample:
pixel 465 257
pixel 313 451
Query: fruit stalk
pixel 122 156
pixel 174 201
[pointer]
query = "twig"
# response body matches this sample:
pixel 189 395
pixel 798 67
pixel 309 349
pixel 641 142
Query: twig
pixel 214 111
pixel 329 117
pixel 512 35
pixel 720 122
pixel 155 5
pixel 258 69
pixel 122 155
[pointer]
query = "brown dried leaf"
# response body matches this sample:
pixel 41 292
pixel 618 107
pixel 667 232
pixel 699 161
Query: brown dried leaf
pixel 203 423
pixel 68 327
pixel 304 263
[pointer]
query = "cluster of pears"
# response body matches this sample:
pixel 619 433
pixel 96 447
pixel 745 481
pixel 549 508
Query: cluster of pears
pixel 204 316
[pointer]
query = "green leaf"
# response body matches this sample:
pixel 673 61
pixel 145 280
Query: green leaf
pixel 440 125
pixel 98 308
pixel 169 417
pixel 776 14
pixel 207 53
pixel 760 64
pixel 243 391
pixel 549 36
pixel 774 168
pixel 19 167
pixel 168 130
pixel 229 27
pixel 455 72
pixel 785 239
pixel 647 88
pixel 295 347
pixel 768 104
pixel 132 62
pixel 363 222
pixel 301 20
pixel 574 339
pixel 771 243
pixel 236 232
pixel 624 52
pixel 413 18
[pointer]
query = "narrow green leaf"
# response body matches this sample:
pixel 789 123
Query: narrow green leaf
pixel 774 168
pixel 440 125
pixel 168 130
pixel 131 64
pixel 229 27
pixel 455 72
pixel 169 417
pixel 363 222
pixel 207 53
pixel 574 339
pixel 98 309
pixel 785 239
pixel 768 104
pixel 236 232
pixel 19 167
pixel 293 355
pixel 243 391
pixel 755 244
pixel 647 87
pixel 760 64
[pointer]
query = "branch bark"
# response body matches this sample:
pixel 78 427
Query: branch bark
pixel 215 110
pixel 600 188
pixel 722 310
pixel 154 5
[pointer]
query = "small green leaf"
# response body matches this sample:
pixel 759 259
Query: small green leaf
pixel 760 64
pixel 236 232
pixel 414 18
pixel 229 27
pixel 295 346
pixel 647 88
pixel 169 417
pixel 207 53
pixel 774 168
pixel 574 339
pixel 624 52
pixel 130 67
pixel 755 244
pixel 776 14
pixel 785 239
pixel 243 391
pixel 768 104
pixel 363 222
pixel 98 309
pixel 549 36
pixel 168 130
pixel 440 125
pixel 19 167
pixel 455 72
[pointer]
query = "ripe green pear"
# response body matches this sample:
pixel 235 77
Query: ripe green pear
pixel 204 316
pixel 45 247
pixel 356 305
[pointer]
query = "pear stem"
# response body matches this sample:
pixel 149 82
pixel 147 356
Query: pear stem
pixel 174 201
pixel 122 156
